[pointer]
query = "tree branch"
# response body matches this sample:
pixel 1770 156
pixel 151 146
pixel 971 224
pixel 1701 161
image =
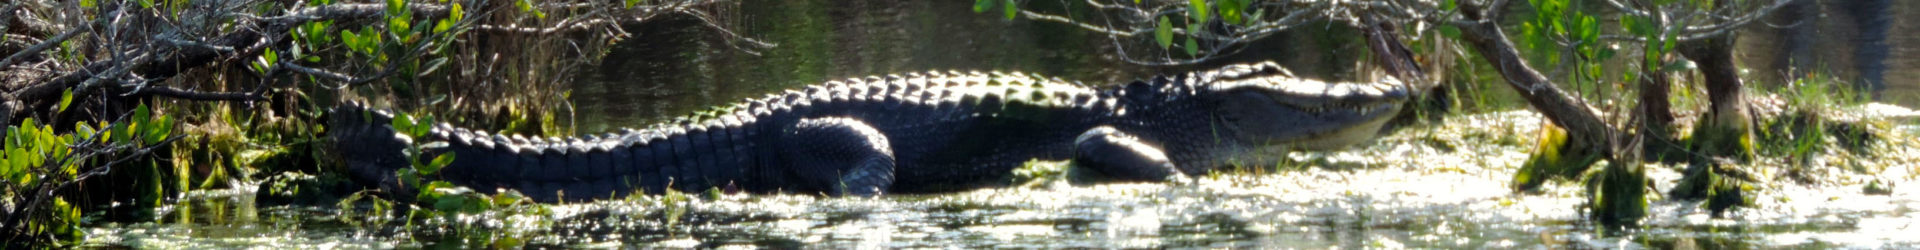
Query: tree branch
pixel 1562 109
pixel 44 45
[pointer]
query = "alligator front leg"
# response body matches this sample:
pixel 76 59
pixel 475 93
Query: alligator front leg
pixel 1122 156
pixel 839 156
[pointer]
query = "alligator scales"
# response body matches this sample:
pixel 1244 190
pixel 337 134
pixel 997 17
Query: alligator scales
pixel 911 133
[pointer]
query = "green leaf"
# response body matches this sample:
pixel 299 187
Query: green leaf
pixel 422 125
pixel 980 6
pixel 1197 9
pixel 142 115
pixel 449 204
pixel 1013 9
pixel 401 26
pixel 147 4
pixel 159 131
pixel 442 26
pixel 395 7
pixel 66 99
pixel 438 162
pixel 81 130
pixel 118 132
pixel 507 198
pixel 402 123
pixel 1230 10
pixel 1589 30
pixel 269 57
pixel 409 178
pixel 1163 33
pixel 1448 5
pixel 17 157
pixel 527 6
pixel 350 39
pixel 456 13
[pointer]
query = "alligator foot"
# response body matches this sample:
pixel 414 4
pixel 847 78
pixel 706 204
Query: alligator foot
pixel 1122 156
pixel 839 156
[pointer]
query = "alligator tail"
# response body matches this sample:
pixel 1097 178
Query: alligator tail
pixel 366 141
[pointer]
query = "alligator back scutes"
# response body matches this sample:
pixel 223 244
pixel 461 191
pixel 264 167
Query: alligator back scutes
pixel 713 144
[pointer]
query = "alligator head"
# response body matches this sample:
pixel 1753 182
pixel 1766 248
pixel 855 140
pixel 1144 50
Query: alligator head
pixel 1267 107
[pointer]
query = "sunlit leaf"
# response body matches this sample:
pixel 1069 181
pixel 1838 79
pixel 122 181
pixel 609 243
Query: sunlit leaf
pixel 66 99
pixel 438 162
pixel 1230 10
pixel 982 5
pixel 162 127
pixel 81 130
pixel 442 26
pixel 528 6
pixel 395 7
pixel 1197 9
pixel 402 123
pixel 268 57
pixel 456 13
pixel 17 157
pixel 1012 9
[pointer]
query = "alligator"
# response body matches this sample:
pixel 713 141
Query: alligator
pixel 913 133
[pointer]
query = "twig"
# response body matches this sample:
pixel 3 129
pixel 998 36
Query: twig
pixel 193 95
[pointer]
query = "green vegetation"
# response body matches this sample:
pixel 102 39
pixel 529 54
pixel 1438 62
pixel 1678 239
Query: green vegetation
pixel 41 167
pixel 438 206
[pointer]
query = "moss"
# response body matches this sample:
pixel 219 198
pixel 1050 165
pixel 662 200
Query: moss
pixel 1728 136
pixel 1554 157
pixel 1617 195
pixel 1720 184
pixel 1878 187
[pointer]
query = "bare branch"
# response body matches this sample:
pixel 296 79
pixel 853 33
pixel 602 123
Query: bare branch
pixel 164 91
pixel 44 45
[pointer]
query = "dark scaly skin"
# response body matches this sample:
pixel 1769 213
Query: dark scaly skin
pixel 913 133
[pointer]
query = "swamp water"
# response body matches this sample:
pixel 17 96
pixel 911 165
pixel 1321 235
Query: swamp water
pixel 1437 186
pixel 1432 186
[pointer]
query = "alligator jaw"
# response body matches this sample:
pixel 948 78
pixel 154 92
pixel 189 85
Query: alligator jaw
pixel 1281 113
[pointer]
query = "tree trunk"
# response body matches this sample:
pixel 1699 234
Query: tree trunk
pixel 1584 128
pixel 1727 129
